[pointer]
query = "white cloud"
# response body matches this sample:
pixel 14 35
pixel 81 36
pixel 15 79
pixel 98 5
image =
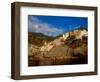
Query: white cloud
pixel 36 25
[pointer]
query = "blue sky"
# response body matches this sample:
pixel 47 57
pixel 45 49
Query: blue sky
pixel 55 25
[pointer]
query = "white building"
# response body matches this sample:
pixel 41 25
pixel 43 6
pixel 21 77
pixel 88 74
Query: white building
pixel 65 35
pixel 81 33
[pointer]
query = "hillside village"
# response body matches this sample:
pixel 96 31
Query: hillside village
pixel 69 48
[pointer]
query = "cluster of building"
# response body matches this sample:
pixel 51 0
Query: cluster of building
pixel 60 41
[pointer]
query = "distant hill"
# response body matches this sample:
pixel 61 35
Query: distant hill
pixel 38 38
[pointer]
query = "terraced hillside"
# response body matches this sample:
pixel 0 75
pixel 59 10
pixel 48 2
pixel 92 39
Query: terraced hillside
pixel 70 48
